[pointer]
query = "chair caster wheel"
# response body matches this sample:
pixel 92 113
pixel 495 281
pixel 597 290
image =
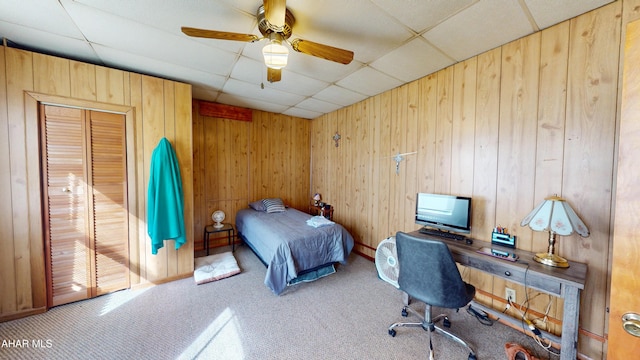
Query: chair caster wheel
pixel 446 323
pixel 392 333
pixel 472 357
pixel 404 312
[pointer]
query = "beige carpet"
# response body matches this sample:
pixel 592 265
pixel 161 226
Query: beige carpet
pixel 342 316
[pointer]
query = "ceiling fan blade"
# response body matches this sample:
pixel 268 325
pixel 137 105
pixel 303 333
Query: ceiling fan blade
pixel 274 75
pixel 322 51
pixel 222 35
pixel 274 12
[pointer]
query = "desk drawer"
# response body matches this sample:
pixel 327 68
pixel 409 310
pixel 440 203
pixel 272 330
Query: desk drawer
pixel 518 274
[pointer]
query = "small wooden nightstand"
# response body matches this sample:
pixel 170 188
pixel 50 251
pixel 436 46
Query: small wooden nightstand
pixel 316 210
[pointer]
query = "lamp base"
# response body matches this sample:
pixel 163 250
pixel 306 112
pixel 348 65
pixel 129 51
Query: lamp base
pixel 551 260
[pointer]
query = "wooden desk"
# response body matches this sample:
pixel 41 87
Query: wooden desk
pixel 565 283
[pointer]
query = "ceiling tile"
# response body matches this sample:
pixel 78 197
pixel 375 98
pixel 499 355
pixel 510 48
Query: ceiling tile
pixel 369 81
pixel 302 113
pixel 240 88
pixel 204 14
pixel 424 14
pixel 412 61
pixel 480 27
pixel 359 26
pixel 318 105
pixel 204 93
pixel 150 42
pixel 40 41
pixel 550 12
pixel 242 101
pixel 143 65
pixel 48 16
pixel 339 95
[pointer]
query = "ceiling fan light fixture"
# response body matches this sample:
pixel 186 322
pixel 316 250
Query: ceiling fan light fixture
pixel 275 54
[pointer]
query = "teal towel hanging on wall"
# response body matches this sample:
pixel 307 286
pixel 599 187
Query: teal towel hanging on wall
pixel 165 204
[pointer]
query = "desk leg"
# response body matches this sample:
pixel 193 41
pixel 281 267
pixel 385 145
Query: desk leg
pixel 570 318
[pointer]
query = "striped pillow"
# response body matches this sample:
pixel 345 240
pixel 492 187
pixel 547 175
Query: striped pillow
pixel 273 205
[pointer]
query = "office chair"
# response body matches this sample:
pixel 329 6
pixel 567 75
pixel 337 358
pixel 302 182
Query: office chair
pixel 428 273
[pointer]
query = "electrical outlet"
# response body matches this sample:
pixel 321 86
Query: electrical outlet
pixel 510 294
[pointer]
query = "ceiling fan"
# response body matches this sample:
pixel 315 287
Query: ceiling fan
pixel 275 23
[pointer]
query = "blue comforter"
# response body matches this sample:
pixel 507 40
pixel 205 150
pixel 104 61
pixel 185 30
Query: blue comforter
pixel 288 246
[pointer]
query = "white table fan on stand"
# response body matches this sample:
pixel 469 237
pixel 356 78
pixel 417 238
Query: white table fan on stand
pixel 218 216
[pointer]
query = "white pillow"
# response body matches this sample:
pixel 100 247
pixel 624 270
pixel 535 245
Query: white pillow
pixel 215 267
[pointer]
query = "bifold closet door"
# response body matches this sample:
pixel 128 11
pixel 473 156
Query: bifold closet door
pixel 86 233
pixel 108 174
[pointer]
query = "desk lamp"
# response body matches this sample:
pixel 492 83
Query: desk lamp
pixel 316 198
pixel 555 215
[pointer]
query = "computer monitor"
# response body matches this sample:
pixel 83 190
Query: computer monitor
pixel 444 212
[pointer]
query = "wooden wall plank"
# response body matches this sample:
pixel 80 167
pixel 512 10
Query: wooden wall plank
pixel 152 133
pixel 463 127
pixel 184 151
pixel 516 141
pixel 82 80
pixel 590 146
pixel 138 257
pixel 110 85
pixel 57 80
pixel 20 76
pixel 443 131
pixel 554 49
pixel 517 133
pixel 410 165
pixel 428 110
pixel 170 133
pixel 485 159
pixel 8 284
pixel 373 233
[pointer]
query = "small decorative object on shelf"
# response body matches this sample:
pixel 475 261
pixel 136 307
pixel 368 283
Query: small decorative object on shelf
pixel 325 210
pixel 218 216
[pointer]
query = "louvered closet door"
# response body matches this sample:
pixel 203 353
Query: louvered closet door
pixel 66 221
pixel 86 234
pixel 109 198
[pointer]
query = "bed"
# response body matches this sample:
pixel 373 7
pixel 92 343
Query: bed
pixel 292 250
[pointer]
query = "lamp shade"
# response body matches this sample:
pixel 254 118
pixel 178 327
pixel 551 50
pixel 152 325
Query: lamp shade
pixel 556 215
pixel 275 54
pixel 316 197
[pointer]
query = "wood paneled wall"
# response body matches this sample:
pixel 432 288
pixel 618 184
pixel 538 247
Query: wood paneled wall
pixel 509 127
pixel 154 108
pixel 237 162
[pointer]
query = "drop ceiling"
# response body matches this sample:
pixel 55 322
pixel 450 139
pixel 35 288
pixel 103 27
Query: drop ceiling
pixel 394 42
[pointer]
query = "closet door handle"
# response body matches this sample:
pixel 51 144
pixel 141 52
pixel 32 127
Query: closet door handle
pixel 66 189
pixel 631 323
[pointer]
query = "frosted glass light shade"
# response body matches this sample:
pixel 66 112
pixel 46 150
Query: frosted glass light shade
pixel 275 54
pixel 555 214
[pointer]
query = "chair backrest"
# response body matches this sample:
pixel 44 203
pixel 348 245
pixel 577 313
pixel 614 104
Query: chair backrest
pixel 427 272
